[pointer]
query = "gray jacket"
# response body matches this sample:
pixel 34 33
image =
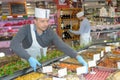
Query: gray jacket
pixel 23 40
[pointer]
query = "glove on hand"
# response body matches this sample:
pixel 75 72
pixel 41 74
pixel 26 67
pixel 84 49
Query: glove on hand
pixel 81 60
pixel 33 63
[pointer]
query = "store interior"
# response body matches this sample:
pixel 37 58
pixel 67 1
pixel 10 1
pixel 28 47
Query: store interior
pixel 102 55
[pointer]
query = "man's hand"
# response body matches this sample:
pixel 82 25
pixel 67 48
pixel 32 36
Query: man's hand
pixel 84 63
pixel 33 63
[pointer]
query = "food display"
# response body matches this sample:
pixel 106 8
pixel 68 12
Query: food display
pixel 72 77
pixel 31 76
pixel 110 61
pixel 9 65
pixel 69 66
pixel 51 54
pixel 12 67
pixel 116 50
pixel 88 54
pixel 9 58
pixel 70 60
pixel 114 76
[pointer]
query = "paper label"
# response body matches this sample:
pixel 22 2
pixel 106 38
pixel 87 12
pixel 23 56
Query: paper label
pixel 81 70
pixel 118 65
pixel 102 54
pixel 62 72
pixel 96 57
pixel 47 69
pixel 55 78
pixel 91 63
pixel 108 49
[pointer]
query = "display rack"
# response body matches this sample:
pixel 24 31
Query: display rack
pixel 66 21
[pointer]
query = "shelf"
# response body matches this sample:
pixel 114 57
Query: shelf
pixel 106 31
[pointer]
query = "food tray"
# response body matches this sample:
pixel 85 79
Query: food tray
pixel 69 66
pixel 109 61
pixel 28 70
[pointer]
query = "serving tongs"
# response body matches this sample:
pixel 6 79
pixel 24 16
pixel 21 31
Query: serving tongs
pixel 39 69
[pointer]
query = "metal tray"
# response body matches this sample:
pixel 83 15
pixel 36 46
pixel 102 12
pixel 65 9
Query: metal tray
pixel 28 70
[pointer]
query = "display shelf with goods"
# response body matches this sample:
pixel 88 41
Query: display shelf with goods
pixel 47 4
pixel 66 21
pixel 104 21
pixel 30 6
pixel 5 9
pixel 9 27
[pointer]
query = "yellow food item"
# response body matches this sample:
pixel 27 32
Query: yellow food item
pixel 30 76
pixel 45 79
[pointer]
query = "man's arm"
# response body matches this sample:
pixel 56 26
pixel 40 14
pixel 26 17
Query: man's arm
pixel 63 46
pixel 16 44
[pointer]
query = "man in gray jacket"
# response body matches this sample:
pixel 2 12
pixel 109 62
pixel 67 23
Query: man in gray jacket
pixel 31 38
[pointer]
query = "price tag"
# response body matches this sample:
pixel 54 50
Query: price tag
pixel 91 63
pixel 102 54
pixel 47 69
pixel 118 65
pixel 108 49
pixel 62 72
pixel 81 70
pixel 55 78
pixel 96 57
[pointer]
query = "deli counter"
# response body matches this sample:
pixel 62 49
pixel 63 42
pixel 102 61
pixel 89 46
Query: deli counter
pixel 103 64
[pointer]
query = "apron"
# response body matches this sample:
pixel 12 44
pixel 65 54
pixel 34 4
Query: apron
pixel 36 50
pixel 85 39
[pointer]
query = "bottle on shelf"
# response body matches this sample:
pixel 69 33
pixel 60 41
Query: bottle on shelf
pixel 63 35
pixel 62 25
pixel 66 35
pixel 61 14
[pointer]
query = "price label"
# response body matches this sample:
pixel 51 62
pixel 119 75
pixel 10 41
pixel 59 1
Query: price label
pixel 62 72
pixel 55 78
pixel 118 65
pixel 102 54
pixel 47 69
pixel 81 70
pixel 91 63
pixel 96 57
pixel 108 49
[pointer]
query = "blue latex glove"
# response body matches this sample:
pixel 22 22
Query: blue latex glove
pixel 33 63
pixel 84 63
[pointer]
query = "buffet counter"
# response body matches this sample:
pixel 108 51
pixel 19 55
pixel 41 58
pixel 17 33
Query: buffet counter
pixel 105 66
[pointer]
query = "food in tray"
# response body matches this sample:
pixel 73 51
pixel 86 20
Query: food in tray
pixel 31 76
pixel 114 76
pixel 12 67
pixel 7 59
pixel 71 60
pixel 89 53
pixel 109 61
pixel 69 66
pixel 10 64
pixel 45 78
pixel 72 77
pixel 116 50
